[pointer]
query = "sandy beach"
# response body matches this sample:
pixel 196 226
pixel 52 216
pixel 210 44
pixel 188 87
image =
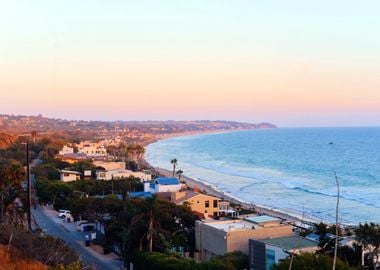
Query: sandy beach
pixel 191 183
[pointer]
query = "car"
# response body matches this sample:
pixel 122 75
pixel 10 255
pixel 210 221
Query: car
pixel 64 213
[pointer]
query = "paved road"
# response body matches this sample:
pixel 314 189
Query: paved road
pixel 86 255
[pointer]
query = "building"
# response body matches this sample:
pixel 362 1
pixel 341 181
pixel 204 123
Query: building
pixel 214 238
pixel 165 185
pixel 66 150
pixel 92 149
pixel 203 204
pixel 73 158
pixel 225 209
pixel 69 176
pixel 119 174
pixel 110 165
pixel 263 254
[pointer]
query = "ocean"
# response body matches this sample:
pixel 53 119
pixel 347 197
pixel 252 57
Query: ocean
pixel 288 169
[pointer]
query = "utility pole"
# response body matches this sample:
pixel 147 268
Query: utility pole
pixel 336 222
pixel 29 197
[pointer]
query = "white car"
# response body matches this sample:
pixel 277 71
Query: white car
pixel 64 213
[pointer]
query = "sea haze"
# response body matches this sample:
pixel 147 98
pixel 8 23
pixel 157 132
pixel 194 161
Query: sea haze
pixel 290 169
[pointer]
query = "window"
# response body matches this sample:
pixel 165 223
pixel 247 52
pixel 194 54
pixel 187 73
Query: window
pixel 207 204
pixel 215 203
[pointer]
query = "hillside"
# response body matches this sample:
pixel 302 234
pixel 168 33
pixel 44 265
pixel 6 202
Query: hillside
pixel 6 140
pixel 12 259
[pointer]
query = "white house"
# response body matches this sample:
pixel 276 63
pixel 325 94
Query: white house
pixel 66 150
pixel 165 185
pixel 118 174
pixel 68 176
pixel 92 149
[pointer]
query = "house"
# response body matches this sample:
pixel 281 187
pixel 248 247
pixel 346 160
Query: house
pixel 225 209
pixel 92 149
pixel 165 185
pixel 110 165
pixel 73 158
pixel 214 238
pixel 204 204
pixel 66 150
pixel 69 176
pixel 119 174
pixel 263 254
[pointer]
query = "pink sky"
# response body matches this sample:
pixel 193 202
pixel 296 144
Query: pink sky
pixel 247 62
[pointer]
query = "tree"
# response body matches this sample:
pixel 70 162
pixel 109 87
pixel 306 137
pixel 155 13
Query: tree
pixel 174 161
pixel 369 236
pixel 11 176
pixel 179 173
pixel 309 261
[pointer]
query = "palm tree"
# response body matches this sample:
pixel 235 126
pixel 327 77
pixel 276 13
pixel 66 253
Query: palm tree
pixel 179 172
pixel 174 162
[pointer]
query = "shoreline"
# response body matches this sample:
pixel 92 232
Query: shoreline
pixel 209 189
pixel 258 209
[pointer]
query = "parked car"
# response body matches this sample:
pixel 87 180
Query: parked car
pixel 64 213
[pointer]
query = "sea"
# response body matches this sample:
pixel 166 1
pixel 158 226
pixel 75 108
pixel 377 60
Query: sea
pixel 288 169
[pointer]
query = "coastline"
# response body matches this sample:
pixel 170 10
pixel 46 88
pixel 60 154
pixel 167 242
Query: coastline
pixel 209 189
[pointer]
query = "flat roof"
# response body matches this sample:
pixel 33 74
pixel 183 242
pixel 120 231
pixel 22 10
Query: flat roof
pixel 290 242
pixel 262 219
pixel 231 225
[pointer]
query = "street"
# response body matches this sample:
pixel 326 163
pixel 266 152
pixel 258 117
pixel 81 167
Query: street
pixel 88 256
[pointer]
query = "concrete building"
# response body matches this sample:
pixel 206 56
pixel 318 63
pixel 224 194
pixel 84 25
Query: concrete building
pixel 69 176
pixel 110 165
pixel 214 238
pixel 263 254
pixel 203 204
pixel 119 174
pixel 165 185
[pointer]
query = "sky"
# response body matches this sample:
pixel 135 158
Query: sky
pixel 292 63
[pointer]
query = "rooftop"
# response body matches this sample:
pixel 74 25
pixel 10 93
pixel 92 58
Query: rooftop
pixel 167 181
pixel 70 172
pixel 262 219
pixel 231 225
pixel 291 242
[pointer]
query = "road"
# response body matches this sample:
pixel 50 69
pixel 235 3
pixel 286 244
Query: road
pixel 87 255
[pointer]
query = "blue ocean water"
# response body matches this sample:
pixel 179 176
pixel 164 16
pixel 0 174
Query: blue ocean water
pixel 289 169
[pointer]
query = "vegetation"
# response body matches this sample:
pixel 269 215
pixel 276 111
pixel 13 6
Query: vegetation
pixel 158 261
pixel 309 261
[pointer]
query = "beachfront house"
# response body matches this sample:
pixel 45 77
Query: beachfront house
pixel 263 254
pixel 69 176
pixel 214 237
pixel 165 185
pixel 202 204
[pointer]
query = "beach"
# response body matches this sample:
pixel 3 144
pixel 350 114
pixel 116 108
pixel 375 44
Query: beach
pixel 208 189
pixel 258 170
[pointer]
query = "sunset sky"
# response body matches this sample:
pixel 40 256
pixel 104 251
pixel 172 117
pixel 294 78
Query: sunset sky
pixel 293 63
